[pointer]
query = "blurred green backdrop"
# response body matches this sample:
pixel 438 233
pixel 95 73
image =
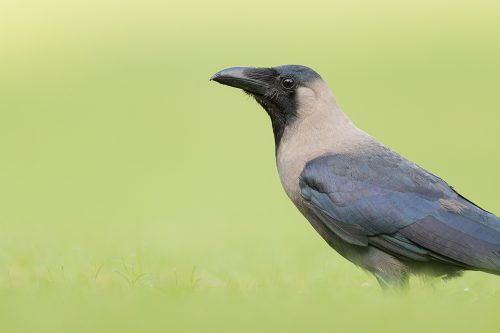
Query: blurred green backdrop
pixel 137 196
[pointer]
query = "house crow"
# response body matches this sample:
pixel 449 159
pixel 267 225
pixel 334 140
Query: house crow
pixel 374 207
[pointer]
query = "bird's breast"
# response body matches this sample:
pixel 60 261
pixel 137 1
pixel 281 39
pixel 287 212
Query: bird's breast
pixel 289 170
pixel 297 147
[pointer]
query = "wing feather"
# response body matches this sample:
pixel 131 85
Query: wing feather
pixel 388 202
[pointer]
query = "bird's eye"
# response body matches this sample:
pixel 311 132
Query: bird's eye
pixel 288 83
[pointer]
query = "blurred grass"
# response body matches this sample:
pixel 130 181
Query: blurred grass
pixel 137 196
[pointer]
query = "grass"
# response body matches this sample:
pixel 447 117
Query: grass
pixel 125 295
pixel 136 196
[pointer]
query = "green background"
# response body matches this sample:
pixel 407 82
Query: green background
pixel 137 196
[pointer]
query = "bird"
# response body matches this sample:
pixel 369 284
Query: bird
pixel 377 209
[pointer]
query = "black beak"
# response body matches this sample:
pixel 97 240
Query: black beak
pixel 242 78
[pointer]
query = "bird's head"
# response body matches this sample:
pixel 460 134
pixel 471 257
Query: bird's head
pixel 279 90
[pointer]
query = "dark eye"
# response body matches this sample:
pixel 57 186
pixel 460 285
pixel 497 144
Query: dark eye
pixel 288 83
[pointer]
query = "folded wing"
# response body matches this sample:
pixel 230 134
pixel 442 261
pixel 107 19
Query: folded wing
pixel 386 201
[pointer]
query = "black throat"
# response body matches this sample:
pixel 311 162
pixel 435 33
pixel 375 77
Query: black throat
pixel 281 117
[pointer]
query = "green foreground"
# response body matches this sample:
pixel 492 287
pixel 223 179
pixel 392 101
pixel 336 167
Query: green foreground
pixel 138 197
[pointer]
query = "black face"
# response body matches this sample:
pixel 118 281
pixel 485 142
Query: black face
pixel 273 88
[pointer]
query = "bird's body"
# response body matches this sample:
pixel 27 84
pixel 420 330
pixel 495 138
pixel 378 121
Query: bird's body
pixel 374 207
